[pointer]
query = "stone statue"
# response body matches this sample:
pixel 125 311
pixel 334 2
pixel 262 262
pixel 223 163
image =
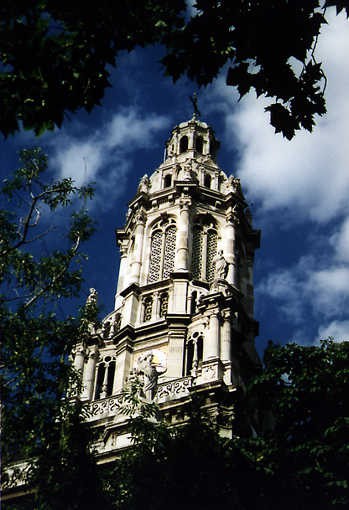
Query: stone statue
pixel 150 376
pixel 144 184
pixel 151 372
pixel 189 170
pixel 187 174
pixel 194 102
pixel 220 266
pixel 233 184
pixel 92 297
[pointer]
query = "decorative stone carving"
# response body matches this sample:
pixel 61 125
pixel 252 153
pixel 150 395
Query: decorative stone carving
pixel 92 297
pixel 103 408
pixel 220 266
pixel 16 475
pixel 106 330
pixel 144 184
pixel 150 369
pixel 233 215
pixel 189 170
pixel 140 217
pixel 233 185
pixel 174 389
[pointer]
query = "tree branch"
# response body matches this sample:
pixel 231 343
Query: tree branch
pixel 55 278
pixel 27 223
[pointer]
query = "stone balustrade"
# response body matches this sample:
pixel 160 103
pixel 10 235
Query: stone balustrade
pixel 15 475
pixel 111 406
pixel 174 389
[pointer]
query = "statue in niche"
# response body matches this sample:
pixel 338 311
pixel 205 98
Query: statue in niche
pixel 150 369
pixel 220 266
pixel 144 184
pixel 189 170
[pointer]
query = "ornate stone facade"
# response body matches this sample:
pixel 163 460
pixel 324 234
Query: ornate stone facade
pixel 183 314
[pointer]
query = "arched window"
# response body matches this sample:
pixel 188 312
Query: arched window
pixel 183 144
pixel 194 354
pixel 167 181
pixel 207 181
pixel 204 249
pixel 199 144
pixel 105 377
pixel 162 250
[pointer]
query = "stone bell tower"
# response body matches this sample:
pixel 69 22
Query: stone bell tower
pixel 183 315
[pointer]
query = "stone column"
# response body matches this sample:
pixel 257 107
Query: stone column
pixel 249 286
pixel 89 373
pixel 195 362
pixel 211 343
pixel 182 244
pixel 122 280
pixel 226 337
pixel 105 381
pixel 230 246
pixel 138 247
pixel 156 305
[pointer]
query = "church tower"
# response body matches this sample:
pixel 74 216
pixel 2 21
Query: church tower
pixel 183 316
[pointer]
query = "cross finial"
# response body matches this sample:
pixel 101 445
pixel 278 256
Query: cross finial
pixel 194 101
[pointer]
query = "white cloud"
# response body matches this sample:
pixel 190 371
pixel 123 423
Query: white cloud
pixel 308 291
pixel 308 175
pixel 283 286
pixel 128 130
pixel 340 242
pixel 104 156
pixel 302 180
pixel 80 160
pixel 328 290
pixel 339 330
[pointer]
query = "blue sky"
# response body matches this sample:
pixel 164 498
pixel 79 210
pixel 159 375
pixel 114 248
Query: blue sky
pixel 298 191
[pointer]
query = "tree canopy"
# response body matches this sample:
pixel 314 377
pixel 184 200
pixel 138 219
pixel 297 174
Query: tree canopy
pixel 296 458
pixel 36 335
pixel 55 57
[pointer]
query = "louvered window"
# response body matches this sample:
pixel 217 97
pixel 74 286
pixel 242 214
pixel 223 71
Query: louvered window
pixel 204 249
pixel 162 250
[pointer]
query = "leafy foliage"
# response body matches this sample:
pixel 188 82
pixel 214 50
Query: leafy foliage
pixel 74 49
pixel 304 390
pixel 55 55
pixel 36 341
pixel 298 459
